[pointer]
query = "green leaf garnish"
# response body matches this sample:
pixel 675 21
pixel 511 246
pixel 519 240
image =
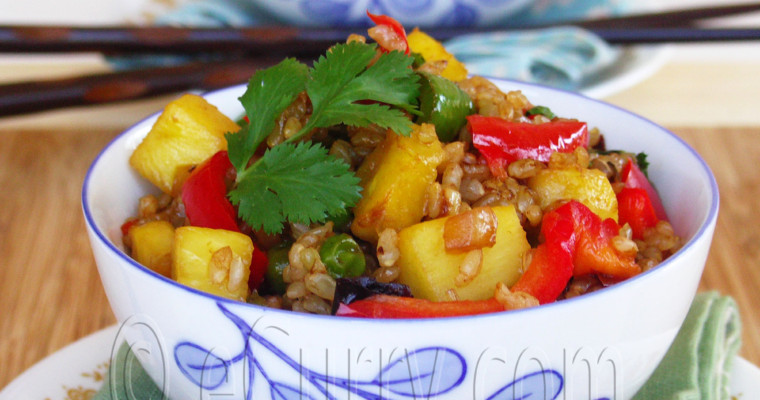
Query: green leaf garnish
pixel 342 84
pixel 269 93
pixel 641 161
pixel 301 182
pixel 540 110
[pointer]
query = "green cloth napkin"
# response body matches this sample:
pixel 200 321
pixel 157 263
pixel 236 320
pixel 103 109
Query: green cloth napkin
pixel 696 367
pixel 698 364
pixel 127 379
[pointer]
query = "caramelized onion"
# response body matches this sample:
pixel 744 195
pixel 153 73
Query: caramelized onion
pixel 470 230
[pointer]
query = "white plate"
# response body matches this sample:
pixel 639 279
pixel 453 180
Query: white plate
pixel 78 370
pixel 634 65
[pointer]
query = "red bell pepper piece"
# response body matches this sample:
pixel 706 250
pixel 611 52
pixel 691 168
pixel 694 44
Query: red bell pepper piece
pixel 126 226
pixel 576 242
pixel 635 209
pixel 502 142
pixel 259 264
pixel 547 275
pixel 204 195
pixel 632 176
pixel 551 265
pixel 594 251
pixel 387 306
pixel 395 26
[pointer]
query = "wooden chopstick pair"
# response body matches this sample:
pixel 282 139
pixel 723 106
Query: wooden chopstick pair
pixel 35 96
pixel 246 49
pixel 678 25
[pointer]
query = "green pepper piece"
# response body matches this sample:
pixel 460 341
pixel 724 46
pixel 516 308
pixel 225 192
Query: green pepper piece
pixel 443 104
pixel 278 260
pixel 342 256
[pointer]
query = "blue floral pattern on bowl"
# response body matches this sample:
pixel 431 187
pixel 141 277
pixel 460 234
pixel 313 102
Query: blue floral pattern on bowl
pixel 427 372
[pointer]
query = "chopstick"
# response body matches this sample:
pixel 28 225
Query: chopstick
pixel 671 19
pixel 30 97
pixel 288 41
pixel 36 96
pixel 671 26
pixel 165 39
pixel 623 36
pixel 247 49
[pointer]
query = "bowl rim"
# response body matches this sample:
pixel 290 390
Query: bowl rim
pixel 709 221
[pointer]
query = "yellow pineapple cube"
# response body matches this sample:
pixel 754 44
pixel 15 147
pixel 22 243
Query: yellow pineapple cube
pixel 189 131
pixel 432 50
pixel 431 272
pixel 152 245
pixel 394 179
pixel 589 186
pixel 216 261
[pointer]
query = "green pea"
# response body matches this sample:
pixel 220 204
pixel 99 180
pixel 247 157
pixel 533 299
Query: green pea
pixel 342 256
pixel 278 260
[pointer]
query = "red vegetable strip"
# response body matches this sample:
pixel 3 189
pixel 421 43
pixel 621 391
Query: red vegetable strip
pixel 594 251
pixel 634 178
pixel 204 195
pixel 259 264
pixel 126 226
pixel 395 26
pixel 386 306
pixel 549 272
pixel 502 142
pixel 576 242
pixel 551 265
pixel 635 208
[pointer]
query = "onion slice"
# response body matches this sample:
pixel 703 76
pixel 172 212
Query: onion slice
pixel 470 230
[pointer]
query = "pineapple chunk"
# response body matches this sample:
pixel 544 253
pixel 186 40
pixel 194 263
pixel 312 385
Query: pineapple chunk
pixel 589 186
pixel 394 178
pixel 152 245
pixel 432 50
pixel 431 272
pixel 216 261
pixel 189 131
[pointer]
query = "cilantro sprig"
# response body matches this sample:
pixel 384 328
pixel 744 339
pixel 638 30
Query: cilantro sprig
pixel 341 79
pixel 299 181
pixel 269 93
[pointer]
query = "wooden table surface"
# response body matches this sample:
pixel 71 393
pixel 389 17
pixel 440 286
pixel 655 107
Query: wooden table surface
pixel 50 290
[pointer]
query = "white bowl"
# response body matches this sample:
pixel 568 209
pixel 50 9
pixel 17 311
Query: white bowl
pixel 410 13
pixel 601 345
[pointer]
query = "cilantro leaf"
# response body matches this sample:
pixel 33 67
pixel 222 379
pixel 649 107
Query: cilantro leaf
pixel 297 182
pixel 269 92
pixel 540 110
pixel 389 80
pixel 641 161
pixel 342 84
pixel 301 182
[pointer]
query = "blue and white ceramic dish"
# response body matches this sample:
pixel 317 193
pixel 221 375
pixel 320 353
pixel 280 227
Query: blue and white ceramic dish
pixel 602 345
